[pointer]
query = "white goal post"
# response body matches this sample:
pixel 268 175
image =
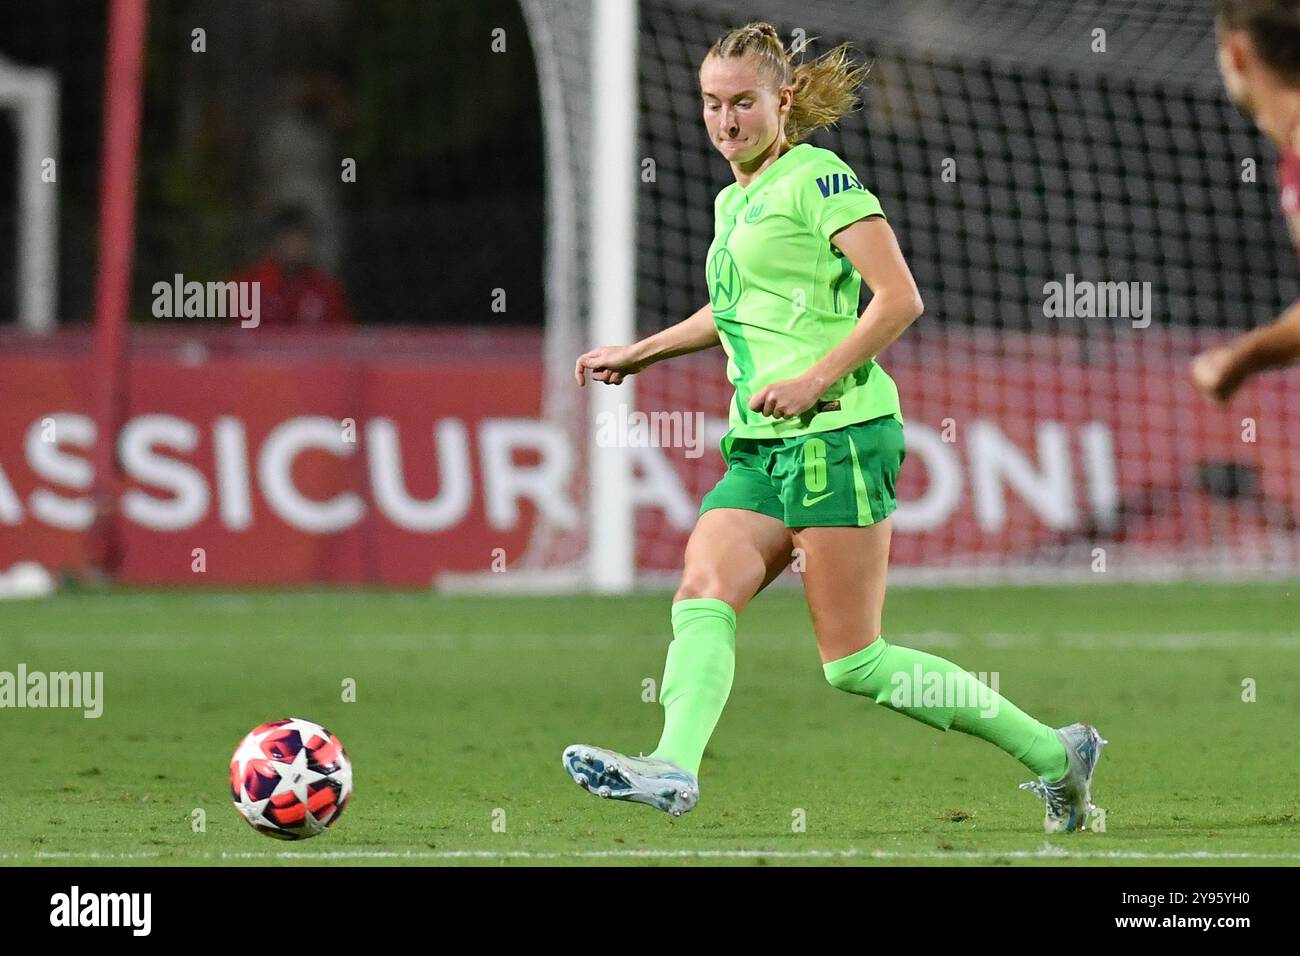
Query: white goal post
pixel 32 94
pixel 613 289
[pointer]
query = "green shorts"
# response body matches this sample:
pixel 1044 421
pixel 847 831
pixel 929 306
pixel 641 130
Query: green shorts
pixel 843 477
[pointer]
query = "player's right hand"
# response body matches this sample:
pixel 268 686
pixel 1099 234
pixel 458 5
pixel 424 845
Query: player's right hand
pixel 1215 375
pixel 608 363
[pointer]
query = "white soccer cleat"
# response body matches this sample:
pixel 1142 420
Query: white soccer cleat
pixel 656 783
pixel 1069 800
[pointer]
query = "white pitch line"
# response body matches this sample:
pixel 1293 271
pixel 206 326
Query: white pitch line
pixel 1095 640
pixel 1192 641
pixel 1046 852
pixel 441 641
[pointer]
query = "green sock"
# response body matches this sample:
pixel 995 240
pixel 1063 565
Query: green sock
pixel 697 678
pixel 939 693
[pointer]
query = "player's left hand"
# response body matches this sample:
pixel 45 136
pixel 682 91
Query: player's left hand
pixel 787 398
pixel 1213 373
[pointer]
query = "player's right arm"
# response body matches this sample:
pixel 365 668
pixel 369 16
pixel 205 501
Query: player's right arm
pixel 613 363
pixel 1219 372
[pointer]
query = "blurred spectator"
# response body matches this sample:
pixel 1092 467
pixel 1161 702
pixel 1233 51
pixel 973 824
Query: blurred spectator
pixel 299 157
pixel 295 291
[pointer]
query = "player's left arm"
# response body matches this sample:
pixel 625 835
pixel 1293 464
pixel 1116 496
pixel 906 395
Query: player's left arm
pixel 895 304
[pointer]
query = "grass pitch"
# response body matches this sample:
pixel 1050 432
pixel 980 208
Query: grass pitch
pixel 464 704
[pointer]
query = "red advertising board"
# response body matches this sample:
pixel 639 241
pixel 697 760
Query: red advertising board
pixel 390 458
pixel 326 461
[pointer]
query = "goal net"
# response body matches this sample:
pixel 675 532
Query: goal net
pixel 1083 210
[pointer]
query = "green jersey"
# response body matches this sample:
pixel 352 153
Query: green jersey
pixel 783 295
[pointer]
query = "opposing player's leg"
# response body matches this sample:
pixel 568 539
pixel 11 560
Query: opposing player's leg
pixel 846 557
pixel 738 547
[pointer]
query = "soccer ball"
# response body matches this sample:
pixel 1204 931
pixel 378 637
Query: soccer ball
pixel 290 779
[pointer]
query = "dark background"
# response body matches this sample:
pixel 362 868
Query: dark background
pixel 1123 167
pixel 448 199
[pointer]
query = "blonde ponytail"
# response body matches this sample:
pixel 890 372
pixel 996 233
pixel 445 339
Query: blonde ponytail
pixel 825 90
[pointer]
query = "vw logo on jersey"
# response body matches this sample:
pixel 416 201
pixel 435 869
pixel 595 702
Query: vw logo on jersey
pixel 753 212
pixel 724 280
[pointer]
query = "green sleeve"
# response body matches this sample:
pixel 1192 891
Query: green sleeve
pixel 831 197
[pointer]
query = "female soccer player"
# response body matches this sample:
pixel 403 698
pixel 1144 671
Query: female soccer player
pixel 815 443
